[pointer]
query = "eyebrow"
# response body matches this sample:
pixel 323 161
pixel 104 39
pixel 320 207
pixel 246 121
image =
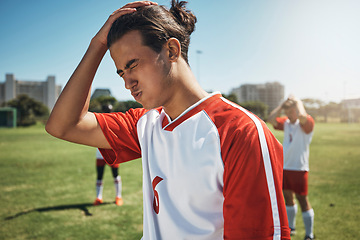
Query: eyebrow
pixel 127 66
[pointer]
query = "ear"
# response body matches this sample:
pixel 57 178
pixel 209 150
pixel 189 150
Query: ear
pixel 174 49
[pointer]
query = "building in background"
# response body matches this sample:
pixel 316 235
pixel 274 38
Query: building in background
pixel 45 92
pixel 99 92
pixel 271 93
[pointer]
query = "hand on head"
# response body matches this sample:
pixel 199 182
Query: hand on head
pixel 101 36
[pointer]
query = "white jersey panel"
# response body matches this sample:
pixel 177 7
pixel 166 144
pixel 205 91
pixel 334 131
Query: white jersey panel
pixel 98 154
pixel 296 146
pixel 189 205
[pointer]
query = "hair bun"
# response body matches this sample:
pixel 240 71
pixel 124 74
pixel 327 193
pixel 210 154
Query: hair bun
pixel 183 16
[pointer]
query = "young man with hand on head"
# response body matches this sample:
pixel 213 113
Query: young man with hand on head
pixel 211 169
pixel 298 131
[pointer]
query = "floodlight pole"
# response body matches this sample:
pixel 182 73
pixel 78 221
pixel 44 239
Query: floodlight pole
pixel 198 52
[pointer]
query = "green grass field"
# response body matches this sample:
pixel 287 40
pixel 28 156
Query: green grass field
pixel 47 188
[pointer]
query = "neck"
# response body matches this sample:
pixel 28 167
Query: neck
pixel 186 89
pixel 293 121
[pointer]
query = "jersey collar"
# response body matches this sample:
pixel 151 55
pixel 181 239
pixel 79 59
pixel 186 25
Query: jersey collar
pixel 169 125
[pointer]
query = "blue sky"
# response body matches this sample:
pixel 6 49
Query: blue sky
pixel 312 47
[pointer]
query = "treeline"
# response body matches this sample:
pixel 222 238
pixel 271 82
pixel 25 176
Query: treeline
pixel 330 112
pixel 258 108
pixel 29 111
pixel 110 104
pixel 318 109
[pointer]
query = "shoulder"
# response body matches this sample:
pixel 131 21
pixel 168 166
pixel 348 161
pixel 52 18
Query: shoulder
pixel 223 111
pixel 114 119
pixel 234 120
pixel 308 126
pixel 281 121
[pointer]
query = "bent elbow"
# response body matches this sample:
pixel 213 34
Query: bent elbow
pixel 54 130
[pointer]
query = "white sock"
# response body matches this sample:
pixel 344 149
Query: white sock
pixel 291 213
pixel 308 218
pixel 99 189
pixel 118 186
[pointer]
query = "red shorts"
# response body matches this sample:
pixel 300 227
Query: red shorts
pixel 101 163
pixel 296 181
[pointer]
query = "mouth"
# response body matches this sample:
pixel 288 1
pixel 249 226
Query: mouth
pixel 136 95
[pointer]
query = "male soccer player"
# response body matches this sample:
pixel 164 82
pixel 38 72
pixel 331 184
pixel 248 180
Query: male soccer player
pixel 211 169
pixel 298 131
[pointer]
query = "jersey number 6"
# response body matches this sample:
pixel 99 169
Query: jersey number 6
pixel 156 195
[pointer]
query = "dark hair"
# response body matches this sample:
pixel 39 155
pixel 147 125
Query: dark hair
pixel 289 103
pixel 157 25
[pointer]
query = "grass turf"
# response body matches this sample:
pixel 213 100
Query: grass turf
pixel 47 188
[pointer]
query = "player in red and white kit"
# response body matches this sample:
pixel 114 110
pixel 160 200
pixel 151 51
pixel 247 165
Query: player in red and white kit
pixel 211 169
pixel 217 164
pixel 100 168
pixel 298 131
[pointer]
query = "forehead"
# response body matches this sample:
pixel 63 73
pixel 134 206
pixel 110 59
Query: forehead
pixel 129 46
pixel 289 110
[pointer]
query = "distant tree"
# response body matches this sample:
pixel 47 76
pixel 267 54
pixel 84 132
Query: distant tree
pixel 321 111
pixel 28 110
pixel 102 104
pixel 331 109
pixel 110 104
pixel 256 107
pixel 126 105
pixel 312 103
pixel 231 97
pixel 313 106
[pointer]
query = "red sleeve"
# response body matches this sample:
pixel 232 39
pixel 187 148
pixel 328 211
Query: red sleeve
pixel 121 133
pixel 280 123
pixel 309 125
pixel 247 206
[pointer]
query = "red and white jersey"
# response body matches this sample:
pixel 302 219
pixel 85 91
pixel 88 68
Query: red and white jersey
pixel 215 172
pixel 296 143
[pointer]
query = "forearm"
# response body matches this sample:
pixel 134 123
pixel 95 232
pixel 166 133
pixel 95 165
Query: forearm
pixel 274 114
pixel 73 103
pixel 302 112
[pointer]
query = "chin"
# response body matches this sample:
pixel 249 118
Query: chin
pixel 150 103
pixel 151 106
pixel 147 106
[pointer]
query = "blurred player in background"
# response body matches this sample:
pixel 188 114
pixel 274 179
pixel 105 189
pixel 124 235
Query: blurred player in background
pixel 106 107
pixel 100 167
pixel 298 128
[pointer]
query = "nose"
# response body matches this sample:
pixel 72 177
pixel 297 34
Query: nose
pixel 129 82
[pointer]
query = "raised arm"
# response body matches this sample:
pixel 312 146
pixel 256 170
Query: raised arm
pixel 70 119
pixel 302 112
pixel 274 114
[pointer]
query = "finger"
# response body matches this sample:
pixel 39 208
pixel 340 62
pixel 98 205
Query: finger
pixel 123 11
pixel 138 4
pixel 130 8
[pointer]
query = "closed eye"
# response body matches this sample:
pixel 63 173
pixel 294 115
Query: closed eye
pixel 134 65
pixel 120 72
pixel 130 65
